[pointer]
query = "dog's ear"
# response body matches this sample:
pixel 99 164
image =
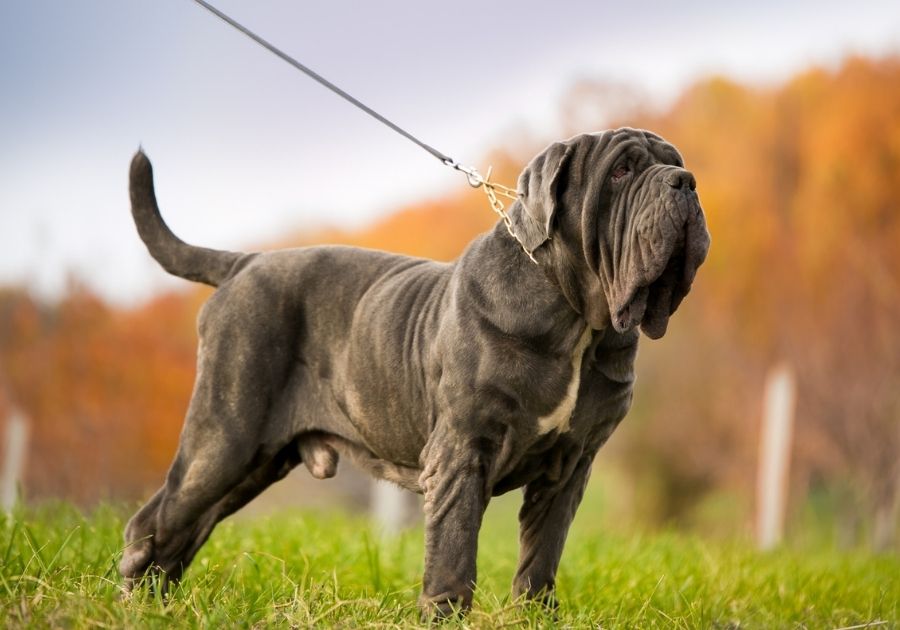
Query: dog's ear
pixel 532 216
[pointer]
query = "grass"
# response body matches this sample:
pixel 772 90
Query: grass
pixel 57 569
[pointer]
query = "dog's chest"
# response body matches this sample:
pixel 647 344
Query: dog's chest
pixel 558 419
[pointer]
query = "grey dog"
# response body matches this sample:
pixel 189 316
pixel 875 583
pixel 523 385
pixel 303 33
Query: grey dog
pixel 459 381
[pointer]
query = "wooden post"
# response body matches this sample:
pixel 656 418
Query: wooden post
pixel 13 459
pixel 774 455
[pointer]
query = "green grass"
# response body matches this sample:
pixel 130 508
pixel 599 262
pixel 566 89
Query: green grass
pixel 57 569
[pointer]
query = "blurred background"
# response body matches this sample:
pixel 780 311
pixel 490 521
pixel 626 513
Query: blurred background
pixel 789 115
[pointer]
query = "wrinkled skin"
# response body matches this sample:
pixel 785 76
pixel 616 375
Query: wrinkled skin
pixel 459 381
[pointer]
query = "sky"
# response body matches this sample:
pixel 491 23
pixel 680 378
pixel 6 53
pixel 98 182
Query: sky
pixel 247 150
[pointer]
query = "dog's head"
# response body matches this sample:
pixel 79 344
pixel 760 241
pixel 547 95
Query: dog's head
pixel 631 232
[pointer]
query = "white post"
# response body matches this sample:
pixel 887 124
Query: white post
pixel 774 455
pixel 13 460
pixel 390 507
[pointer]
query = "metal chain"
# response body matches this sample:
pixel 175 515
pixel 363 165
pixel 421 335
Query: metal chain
pixel 492 189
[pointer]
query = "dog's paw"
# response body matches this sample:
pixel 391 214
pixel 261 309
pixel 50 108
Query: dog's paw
pixel 442 608
pixel 135 560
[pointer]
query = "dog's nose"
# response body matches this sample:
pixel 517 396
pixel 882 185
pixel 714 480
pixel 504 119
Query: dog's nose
pixel 679 178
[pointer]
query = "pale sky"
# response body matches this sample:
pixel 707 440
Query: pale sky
pixel 246 149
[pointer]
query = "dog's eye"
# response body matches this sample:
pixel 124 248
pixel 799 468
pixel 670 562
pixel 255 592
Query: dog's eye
pixel 619 172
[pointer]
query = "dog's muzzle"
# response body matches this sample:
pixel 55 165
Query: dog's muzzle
pixel 670 242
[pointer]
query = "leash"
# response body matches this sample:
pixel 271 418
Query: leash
pixel 473 177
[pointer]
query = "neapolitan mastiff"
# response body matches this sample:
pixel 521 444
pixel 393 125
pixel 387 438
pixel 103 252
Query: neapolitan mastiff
pixel 459 381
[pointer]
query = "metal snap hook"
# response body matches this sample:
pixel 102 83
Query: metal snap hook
pixel 474 178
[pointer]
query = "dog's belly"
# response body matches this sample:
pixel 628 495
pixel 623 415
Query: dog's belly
pixel 388 374
pixel 389 435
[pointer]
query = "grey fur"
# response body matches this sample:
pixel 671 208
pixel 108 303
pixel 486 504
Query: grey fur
pixel 460 381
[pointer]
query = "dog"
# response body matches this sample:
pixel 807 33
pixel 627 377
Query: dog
pixel 460 381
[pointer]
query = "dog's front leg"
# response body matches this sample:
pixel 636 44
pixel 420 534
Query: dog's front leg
pixel 547 511
pixel 453 480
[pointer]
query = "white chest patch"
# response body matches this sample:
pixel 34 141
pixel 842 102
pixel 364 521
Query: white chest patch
pixel 558 419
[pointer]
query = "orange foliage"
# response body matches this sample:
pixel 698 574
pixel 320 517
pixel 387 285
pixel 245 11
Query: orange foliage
pixel 801 184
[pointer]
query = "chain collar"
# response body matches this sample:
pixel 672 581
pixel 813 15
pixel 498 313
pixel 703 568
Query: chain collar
pixel 493 191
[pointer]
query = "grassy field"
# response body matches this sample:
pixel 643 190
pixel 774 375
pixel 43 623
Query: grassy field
pixel 57 569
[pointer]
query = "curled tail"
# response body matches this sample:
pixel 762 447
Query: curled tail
pixel 199 264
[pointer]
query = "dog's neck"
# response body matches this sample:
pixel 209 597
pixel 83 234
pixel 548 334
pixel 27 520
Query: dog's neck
pixel 495 270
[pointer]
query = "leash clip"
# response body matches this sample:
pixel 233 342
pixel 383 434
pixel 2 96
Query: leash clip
pixel 475 179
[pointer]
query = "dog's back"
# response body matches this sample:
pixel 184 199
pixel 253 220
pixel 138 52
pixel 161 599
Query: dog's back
pixel 326 318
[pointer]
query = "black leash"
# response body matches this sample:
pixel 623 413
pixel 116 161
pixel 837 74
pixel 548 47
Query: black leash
pixel 474 177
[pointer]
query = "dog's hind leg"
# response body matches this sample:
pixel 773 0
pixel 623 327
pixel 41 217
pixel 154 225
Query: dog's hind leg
pixel 163 535
pixel 138 552
pixel 255 483
pixel 221 461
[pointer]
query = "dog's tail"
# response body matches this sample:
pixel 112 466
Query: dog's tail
pixel 199 264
